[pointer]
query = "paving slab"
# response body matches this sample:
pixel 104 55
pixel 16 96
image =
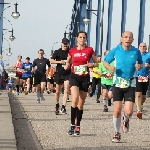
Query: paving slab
pixel 96 126
pixel 7 136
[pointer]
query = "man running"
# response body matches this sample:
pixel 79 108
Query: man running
pixel 26 76
pixel 142 79
pixel 127 60
pixel 40 74
pixel 17 67
pixel 50 79
pixel 62 76
pixel 96 81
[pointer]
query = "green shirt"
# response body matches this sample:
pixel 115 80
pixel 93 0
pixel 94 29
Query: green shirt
pixel 107 76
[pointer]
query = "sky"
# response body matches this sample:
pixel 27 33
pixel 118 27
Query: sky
pixel 43 22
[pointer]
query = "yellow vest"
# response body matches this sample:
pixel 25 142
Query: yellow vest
pixel 95 69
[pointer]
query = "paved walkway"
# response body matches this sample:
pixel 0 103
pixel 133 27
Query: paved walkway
pixel 7 137
pixel 96 127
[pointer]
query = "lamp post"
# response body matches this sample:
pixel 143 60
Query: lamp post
pixel 87 20
pixel 12 31
pixel 14 14
pixel 9 52
pixel 71 29
pixel 52 51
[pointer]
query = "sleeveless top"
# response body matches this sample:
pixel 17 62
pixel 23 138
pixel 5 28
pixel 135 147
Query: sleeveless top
pixel 18 66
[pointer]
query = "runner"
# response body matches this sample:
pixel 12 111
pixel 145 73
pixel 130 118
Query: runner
pixel 50 79
pixel 10 84
pixel 26 76
pixel 40 74
pixel 96 81
pixel 19 80
pixel 142 80
pixel 127 58
pixel 79 78
pixel 62 76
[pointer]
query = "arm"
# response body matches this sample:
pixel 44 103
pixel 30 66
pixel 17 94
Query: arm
pixel 54 57
pixel 48 64
pixel 108 59
pixel 95 61
pixel 139 63
pixel 33 66
pixel 14 66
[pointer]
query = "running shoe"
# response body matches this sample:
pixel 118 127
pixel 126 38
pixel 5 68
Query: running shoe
pixel 125 126
pixel 63 111
pixel 105 108
pixel 77 131
pixel 71 130
pixel 57 111
pixel 116 138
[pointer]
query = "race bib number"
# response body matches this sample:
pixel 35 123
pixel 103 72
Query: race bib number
pixel 122 83
pixel 108 76
pixel 142 79
pixel 27 68
pixel 80 70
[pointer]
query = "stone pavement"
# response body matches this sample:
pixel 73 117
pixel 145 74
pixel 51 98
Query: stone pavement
pixel 7 136
pixel 96 126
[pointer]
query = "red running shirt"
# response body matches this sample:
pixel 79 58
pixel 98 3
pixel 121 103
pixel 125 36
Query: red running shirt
pixel 18 65
pixel 80 59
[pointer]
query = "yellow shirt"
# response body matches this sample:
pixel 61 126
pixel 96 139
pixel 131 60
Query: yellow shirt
pixel 95 69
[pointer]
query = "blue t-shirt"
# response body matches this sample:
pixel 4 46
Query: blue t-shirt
pixel 125 61
pixel 145 70
pixel 27 68
pixel 10 82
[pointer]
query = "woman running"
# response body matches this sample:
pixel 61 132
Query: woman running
pixel 106 83
pixel 79 57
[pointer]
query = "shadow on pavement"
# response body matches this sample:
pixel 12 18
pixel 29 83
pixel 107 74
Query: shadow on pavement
pixel 25 136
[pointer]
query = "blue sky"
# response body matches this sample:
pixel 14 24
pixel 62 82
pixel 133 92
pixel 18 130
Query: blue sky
pixel 43 22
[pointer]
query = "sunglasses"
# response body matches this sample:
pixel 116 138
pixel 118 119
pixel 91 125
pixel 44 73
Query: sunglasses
pixel 65 43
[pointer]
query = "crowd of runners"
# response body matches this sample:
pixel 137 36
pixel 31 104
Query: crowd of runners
pixel 121 79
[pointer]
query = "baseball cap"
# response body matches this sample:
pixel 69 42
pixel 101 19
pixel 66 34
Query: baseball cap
pixel 28 58
pixel 65 40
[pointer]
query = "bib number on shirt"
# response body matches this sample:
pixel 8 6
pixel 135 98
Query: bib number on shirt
pixel 108 76
pixel 80 70
pixel 122 83
pixel 142 79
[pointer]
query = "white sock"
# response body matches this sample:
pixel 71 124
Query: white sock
pixel 38 95
pixel 41 93
pixel 125 117
pixel 117 124
pixel 105 102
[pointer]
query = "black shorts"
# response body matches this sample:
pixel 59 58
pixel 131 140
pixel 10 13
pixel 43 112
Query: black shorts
pixel 50 80
pixel 25 78
pixel 60 78
pixel 108 87
pixel 128 94
pixel 19 75
pixel 80 81
pixel 39 78
pixel 142 86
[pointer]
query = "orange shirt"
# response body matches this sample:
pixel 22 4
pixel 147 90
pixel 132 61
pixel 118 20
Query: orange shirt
pixel 51 72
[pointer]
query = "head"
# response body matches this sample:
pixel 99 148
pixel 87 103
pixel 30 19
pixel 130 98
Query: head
pixel 19 58
pixel 142 47
pixel 127 39
pixel 27 60
pixel 99 58
pixel 81 38
pixel 106 52
pixel 64 44
pixel 40 53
